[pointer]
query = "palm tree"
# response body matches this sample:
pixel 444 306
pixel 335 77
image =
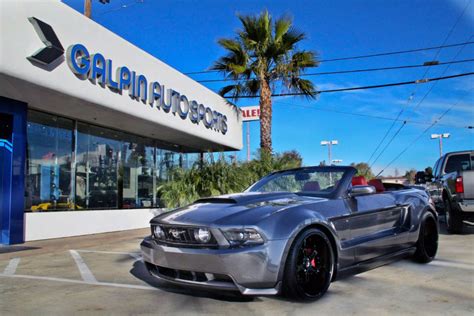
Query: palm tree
pixel 262 58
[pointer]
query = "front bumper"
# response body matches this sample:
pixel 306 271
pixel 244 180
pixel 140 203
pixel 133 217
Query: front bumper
pixel 249 270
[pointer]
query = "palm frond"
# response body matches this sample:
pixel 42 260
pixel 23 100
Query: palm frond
pixel 291 38
pixel 303 86
pixel 282 26
pixel 303 59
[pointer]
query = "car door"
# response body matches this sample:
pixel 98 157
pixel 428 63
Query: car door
pixel 377 225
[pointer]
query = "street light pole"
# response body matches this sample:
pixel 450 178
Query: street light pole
pixel 440 137
pixel 329 143
pixel 248 141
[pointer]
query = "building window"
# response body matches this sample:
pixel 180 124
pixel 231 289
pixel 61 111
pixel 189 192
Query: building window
pixel 97 167
pixel 111 169
pixel 138 160
pixel 49 161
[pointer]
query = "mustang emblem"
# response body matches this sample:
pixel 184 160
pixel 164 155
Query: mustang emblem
pixel 176 233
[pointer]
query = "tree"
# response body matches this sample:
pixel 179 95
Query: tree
pixel 261 58
pixel 429 173
pixel 410 175
pixel 363 169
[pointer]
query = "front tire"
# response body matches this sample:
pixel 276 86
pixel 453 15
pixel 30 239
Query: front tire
pixel 309 267
pixel 453 222
pixel 427 244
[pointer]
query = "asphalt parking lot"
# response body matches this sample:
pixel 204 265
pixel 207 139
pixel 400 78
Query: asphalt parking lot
pixel 103 274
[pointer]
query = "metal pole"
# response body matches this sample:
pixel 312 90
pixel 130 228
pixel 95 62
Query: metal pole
pixel 88 8
pixel 248 141
pixel 329 153
pixel 440 145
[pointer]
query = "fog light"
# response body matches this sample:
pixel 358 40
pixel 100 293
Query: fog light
pixel 158 232
pixel 203 235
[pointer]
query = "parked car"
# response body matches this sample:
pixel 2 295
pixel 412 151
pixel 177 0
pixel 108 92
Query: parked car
pixel 292 232
pixel 454 184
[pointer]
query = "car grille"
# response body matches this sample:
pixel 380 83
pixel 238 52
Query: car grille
pixel 181 235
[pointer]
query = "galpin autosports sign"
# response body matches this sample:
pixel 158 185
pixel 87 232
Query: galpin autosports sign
pixel 98 69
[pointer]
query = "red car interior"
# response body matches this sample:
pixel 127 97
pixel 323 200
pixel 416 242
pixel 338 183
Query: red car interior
pixel 359 180
pixel 377 183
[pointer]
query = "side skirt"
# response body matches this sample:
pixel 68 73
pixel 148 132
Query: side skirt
pixel 374 263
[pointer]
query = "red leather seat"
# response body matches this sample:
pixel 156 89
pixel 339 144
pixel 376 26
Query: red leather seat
pixel 359 180
pixel 377 183
pixel 312 186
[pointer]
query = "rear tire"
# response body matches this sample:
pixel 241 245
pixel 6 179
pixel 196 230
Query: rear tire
pixel 309 267
pixel 453 221
pixel 427 244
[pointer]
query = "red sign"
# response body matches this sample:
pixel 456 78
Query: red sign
pixel 250 113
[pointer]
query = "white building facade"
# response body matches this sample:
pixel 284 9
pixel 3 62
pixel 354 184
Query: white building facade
pixel 91 125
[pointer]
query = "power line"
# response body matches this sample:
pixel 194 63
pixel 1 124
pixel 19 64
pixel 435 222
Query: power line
pixel 391 126
pixel 416 88
pixel 419 81
pixel 389 142
pixel 362 56
pixel 423 133
pixel 434 84
pixel 368 115
pixel 354 70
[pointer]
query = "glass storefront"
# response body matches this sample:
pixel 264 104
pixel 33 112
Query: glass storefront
pixel 49 162
pixel 77 166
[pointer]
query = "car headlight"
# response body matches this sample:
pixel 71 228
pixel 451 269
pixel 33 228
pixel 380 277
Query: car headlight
pixel 158 232
pixel 243 237
pixel 202 235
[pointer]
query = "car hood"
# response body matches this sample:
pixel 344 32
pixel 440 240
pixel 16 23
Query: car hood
pixel 234 209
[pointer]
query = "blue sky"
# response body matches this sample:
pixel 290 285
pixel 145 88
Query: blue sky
pixel 184 35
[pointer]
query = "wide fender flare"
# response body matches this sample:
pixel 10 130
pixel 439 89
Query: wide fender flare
pixel 308 219
pixel 426 209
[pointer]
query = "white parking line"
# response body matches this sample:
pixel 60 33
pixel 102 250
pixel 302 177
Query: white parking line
pixel 135 255
pixel 452 265
pixel 11 267
pixel 84 270
pixel 120 285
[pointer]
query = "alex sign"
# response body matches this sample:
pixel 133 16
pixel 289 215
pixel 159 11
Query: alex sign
pixel 250 113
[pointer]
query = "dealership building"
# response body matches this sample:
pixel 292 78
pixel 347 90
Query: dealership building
pixel 91 125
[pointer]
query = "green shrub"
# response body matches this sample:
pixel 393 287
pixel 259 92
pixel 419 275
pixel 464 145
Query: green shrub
pixel 216 178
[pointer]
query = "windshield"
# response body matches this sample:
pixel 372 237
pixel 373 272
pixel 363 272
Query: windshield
pixel 304 181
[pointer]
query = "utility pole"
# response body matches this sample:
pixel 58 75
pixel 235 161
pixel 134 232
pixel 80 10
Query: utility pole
pixel 440 137
pixel 88 7
pixel 329 143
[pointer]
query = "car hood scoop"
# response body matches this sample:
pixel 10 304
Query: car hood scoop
pixel 233 208
pixel 249 197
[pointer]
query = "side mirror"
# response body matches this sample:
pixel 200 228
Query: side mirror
pixel 359 190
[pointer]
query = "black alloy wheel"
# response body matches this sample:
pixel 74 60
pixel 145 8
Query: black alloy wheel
pixel 427 244
pixel 310 266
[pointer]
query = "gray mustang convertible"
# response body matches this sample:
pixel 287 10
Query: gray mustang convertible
pixel 294 232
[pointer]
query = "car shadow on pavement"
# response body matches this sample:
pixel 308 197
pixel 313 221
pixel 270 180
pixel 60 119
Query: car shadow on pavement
pixel 466 230
pixel 140 272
